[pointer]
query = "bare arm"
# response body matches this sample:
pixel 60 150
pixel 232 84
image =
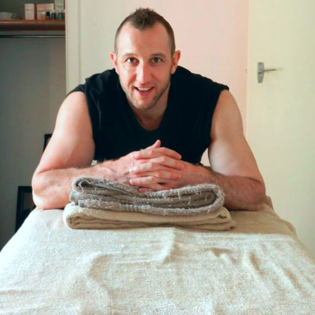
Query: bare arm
pixel 233 166
pixel 69 155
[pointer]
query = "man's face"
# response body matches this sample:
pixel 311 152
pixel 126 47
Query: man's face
pixel 144 64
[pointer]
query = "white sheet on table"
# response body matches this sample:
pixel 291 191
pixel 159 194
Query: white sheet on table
pixel 260 267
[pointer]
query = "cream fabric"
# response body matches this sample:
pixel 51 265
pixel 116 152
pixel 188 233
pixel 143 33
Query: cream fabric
pixel 259 267
pixel 76 217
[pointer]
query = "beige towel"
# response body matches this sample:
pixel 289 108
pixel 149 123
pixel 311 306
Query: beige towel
pixel 76 217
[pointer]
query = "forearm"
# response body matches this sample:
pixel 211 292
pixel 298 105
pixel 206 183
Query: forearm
pixel 241 193
pixel 52 188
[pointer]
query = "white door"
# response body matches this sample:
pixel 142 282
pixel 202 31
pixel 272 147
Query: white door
pixel 281 109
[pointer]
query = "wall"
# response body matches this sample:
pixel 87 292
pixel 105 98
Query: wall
pixel 32 84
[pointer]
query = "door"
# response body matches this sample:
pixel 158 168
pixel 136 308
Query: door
pixel 281 109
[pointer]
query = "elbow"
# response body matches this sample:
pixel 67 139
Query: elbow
pixel 39 202
pixel 259 197
pixel 44 203
pixel 38 191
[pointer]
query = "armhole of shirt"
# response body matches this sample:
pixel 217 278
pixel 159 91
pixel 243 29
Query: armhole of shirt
pixel 208 109
pixel 93 114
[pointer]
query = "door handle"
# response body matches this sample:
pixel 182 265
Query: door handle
pixel 261 71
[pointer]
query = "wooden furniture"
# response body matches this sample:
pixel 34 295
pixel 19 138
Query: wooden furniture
pixel 32 29
pixel 32 25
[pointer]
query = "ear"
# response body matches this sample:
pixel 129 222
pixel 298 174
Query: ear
pixel 113 58
pixel 175 60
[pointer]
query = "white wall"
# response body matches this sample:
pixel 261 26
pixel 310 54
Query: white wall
pixel 33 85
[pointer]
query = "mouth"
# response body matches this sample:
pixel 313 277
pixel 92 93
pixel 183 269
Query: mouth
pixel 143 91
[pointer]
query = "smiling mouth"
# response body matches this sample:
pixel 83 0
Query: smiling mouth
pixel 143 90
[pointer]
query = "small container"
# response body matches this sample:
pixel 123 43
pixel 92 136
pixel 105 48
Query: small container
pixel 47 15
pixel 53 15
pixel 42 15
pixel 59 16
pixel 7 16
pixel 29 9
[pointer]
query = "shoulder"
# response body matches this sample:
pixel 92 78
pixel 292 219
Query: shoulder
pixel 227 119
pixel 97 83
pixel 183 76
pixel 73 113
pixel 102 81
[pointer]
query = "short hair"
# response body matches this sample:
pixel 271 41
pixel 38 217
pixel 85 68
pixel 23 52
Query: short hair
pixel 145 18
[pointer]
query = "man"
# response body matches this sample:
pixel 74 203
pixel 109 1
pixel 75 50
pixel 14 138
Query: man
pixel 150 120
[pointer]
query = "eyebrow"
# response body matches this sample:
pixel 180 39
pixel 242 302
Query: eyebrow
pixel 153 55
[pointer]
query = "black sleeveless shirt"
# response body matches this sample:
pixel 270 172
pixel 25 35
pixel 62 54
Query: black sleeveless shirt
pixel 185 126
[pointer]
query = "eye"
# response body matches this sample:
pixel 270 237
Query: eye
pixel 156 60
pixel 131 60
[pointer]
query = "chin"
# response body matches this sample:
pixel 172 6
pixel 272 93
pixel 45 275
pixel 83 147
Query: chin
pixel 144 106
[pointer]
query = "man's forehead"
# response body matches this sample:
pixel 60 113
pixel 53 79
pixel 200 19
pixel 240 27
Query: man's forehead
pixel 130 36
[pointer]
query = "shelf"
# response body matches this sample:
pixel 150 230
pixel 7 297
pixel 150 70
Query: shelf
pixel 31 25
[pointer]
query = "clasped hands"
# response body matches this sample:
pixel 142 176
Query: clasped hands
pixel 157 168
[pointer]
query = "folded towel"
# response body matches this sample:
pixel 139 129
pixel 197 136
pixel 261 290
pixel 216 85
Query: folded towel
pixel 76 217
pixel 101 204
pixel 98 193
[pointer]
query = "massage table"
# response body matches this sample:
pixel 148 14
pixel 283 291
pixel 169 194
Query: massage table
pixel 258 267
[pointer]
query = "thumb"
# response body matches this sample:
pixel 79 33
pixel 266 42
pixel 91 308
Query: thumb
pixel 156 145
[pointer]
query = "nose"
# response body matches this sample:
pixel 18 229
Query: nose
pixel 143 73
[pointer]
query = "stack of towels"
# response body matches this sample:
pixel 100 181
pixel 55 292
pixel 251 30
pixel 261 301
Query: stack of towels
pixel 97 203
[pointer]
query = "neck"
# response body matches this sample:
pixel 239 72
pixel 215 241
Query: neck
pixel 149 123
pixel 151 118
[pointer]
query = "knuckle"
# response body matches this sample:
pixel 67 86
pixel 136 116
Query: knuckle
pixel 162 159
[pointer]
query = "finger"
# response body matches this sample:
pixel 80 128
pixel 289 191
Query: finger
pixel 147 167
pixel 146 182
pixel 153 187
pixel 159 175
pixel 159 163
pixel 150 180
pixel 156 152
pixel 156 145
